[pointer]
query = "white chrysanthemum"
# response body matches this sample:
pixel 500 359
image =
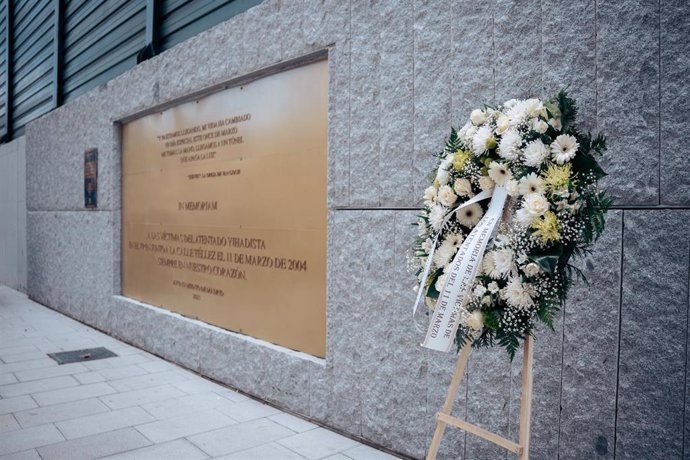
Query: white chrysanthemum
pixel 517 294
pixel 463 187
pixel 512 187
pixel 483 141
pixel 488 266
pixel 427 245
pixel 504 262
pixel 470 215
pixel 539 126
pixel 509 147
pixel 531 183
pixel 517 113
pixel 446 196
pixel 444 253
pixel 535 153
pixel 510 103
pixel 422 227
pixel 478 117
pixel 463 133
pixel 436 216
pixel 486 183
pixel 429 196
pixel 443 173
pixel 499 172
pixel 502 123
pixel 564 148
pixel 536 204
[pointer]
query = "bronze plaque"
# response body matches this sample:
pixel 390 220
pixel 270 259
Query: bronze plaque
pixel 224 208
pixel 91 178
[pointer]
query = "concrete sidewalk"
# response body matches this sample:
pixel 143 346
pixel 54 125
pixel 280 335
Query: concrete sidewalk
pixel 133 406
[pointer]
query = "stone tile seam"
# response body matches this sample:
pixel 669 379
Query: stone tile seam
pixel 687 334
pixel 620 324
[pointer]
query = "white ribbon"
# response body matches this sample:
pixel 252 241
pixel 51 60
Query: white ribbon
pixel 483 195
pixel 444 322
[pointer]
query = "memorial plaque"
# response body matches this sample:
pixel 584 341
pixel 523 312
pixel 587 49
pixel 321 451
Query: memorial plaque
pixel 224 208
pixel 91 178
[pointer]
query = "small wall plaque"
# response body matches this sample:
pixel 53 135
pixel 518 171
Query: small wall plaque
pixel 91 178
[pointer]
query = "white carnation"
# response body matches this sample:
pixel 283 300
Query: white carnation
pixel 564 148
pixel 556 123
pixel 524 217
pixel 483 140
pixel 517 294
pixel 531 183
pixel 534 108
pixel 446 196
pixel 475 320
pixel 486 183
pixel 463 187
pixel 470 215
pixel 502 123
pixel 499 172
pixel 430 196
pixel 535 153
pixel 539 126
pixel 509 146
pixel 512 187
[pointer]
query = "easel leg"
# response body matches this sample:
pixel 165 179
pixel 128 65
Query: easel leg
pixel 526 399
pixel 450 400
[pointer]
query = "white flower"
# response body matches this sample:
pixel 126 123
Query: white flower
pixel 483 141
pixel 493 287
pixel 517 294
pixel 539 126
pixel 478 117
pixel 446 196
pixel 522 258
pixel 510 143
pixel 455 239
pixel 475 320
pixel 486 183
pixel 440 281
pixel 536 204
pixel 531 183
pixel 524 217
pixel 463 187
pixel 470 215
pixel 479 290
pixel 534 107
pixel 430 303
pixel 535 153
pixel 532 269
pixel 422 227
pixel 488 267
pixel 564 148
pixel 510 103
pixel 504 262
pixel 444 253
pixel 512 187
pixel 426 245
pixel 517 113
pixel 443 173
pixel 556 123
pixel 499 172
pixel 429 196
pixel 502 123
pixel 436 216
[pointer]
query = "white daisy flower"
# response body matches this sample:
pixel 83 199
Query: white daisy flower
pixel 499 172
pixel 531 183
pixel 535 153
pixel 483 141
pixel 455 239
pixel 470 215
pixel 509 146
pixel 564 148
pixel 517 294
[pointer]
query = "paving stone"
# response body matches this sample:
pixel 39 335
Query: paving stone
pixel 119 361
pixel 36 386
pixel 5 351
pixel 99 445
pixel 363 452
pixel 123 372
pixel 148 380
pixel 31 454
pixel 73 394
pixel 271 451
pixel 138 397
pixel 89 377
pixel 19 357
pixel 317 443
pixel 101 423
pixel 296 424
pixel 240 437
pixel 248 410
pixel 8 423
pixel 33 364
pixel 17 441
pixel 59 412
pixel 8 405
pixel 186 405
pixel 6 379
pixel 180 449
pixel 186 425
pixel 37 374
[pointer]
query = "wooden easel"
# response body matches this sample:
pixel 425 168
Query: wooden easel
pixel 444 418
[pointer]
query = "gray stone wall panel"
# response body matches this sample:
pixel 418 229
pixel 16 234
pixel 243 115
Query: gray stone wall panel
pixel 651 385
pixel 675 92
pixel 628 97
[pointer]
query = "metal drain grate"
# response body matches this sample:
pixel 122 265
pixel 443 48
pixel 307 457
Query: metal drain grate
pixel 78 356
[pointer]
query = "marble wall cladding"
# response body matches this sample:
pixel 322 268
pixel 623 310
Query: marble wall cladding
pixel 401 72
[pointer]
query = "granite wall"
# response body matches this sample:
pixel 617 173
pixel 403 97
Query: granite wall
pixel 13 215
pixel 610 382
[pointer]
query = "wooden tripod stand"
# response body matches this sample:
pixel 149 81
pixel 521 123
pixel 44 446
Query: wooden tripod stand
pixel 444 418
